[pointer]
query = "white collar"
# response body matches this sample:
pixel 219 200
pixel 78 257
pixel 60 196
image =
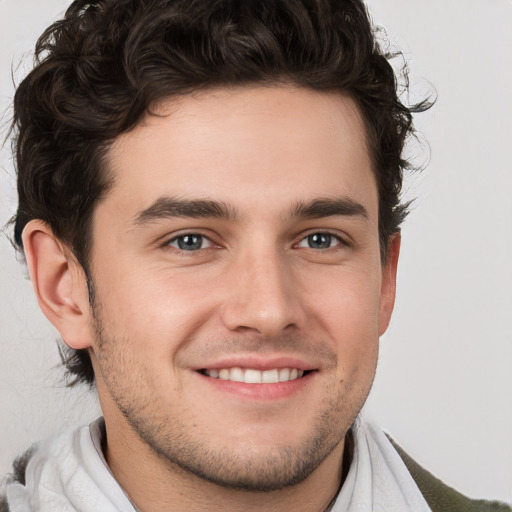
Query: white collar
pixel 70 473
pixel 378 480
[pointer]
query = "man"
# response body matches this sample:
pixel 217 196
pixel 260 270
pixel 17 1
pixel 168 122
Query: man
pixel 209 208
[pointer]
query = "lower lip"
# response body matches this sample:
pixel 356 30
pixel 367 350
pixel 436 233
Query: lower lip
pixel 274 391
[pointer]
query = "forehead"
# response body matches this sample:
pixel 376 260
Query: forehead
pixel 245 146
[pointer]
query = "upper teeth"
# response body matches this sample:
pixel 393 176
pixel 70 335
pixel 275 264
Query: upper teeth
pixel 252 376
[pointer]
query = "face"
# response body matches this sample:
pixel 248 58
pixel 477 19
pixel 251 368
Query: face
pixel 238 289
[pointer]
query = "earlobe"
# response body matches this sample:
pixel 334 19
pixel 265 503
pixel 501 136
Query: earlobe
pixel 388 285
pixel 59 283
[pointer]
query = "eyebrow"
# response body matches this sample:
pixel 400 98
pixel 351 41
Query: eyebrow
pixel 171 207
pixel 329 207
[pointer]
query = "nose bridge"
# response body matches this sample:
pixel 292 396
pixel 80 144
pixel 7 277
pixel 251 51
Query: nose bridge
pixel 263 294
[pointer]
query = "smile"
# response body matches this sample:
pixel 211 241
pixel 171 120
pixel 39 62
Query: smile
pixel 253 376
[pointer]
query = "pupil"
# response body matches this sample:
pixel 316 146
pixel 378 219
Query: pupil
pixel 189 242
pixel 319 241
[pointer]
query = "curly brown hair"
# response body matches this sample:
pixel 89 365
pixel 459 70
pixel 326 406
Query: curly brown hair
pixel 103 66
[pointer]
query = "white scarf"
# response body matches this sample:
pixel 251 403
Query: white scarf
pixel 69 474
pixel 378 480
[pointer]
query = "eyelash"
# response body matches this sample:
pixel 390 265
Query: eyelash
pixel 340 241
pixel 203 238
pixel 177 238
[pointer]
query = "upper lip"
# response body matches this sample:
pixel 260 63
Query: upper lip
pixel 258 363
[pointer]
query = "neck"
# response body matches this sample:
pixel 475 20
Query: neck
pixel 158 483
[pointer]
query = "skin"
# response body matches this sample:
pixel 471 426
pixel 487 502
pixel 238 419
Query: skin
pixel 256 291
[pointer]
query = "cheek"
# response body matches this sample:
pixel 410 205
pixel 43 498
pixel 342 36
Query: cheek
pixel 154 308
pixel 348 311
pixel 348 305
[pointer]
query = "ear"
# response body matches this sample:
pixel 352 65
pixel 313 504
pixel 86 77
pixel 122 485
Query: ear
pixel 59 283
pixel 388 285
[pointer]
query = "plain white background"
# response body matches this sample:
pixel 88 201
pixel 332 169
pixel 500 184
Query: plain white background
pixel 443 387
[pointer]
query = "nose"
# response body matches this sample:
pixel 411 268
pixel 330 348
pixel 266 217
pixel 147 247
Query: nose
pixel 264 296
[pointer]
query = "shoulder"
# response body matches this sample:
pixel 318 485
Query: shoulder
pixel 441 497
pixel 47 464
pixel 19 468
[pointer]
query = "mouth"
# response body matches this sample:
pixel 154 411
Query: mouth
pixel 255 376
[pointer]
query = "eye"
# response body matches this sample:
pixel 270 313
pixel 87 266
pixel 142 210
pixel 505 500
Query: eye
pixel 320 241
pixel 190 242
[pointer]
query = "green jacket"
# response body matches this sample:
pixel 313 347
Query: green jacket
pixel 442 498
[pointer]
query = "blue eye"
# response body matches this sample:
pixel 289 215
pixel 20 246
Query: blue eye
pixel 190 242
pixel 320 241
